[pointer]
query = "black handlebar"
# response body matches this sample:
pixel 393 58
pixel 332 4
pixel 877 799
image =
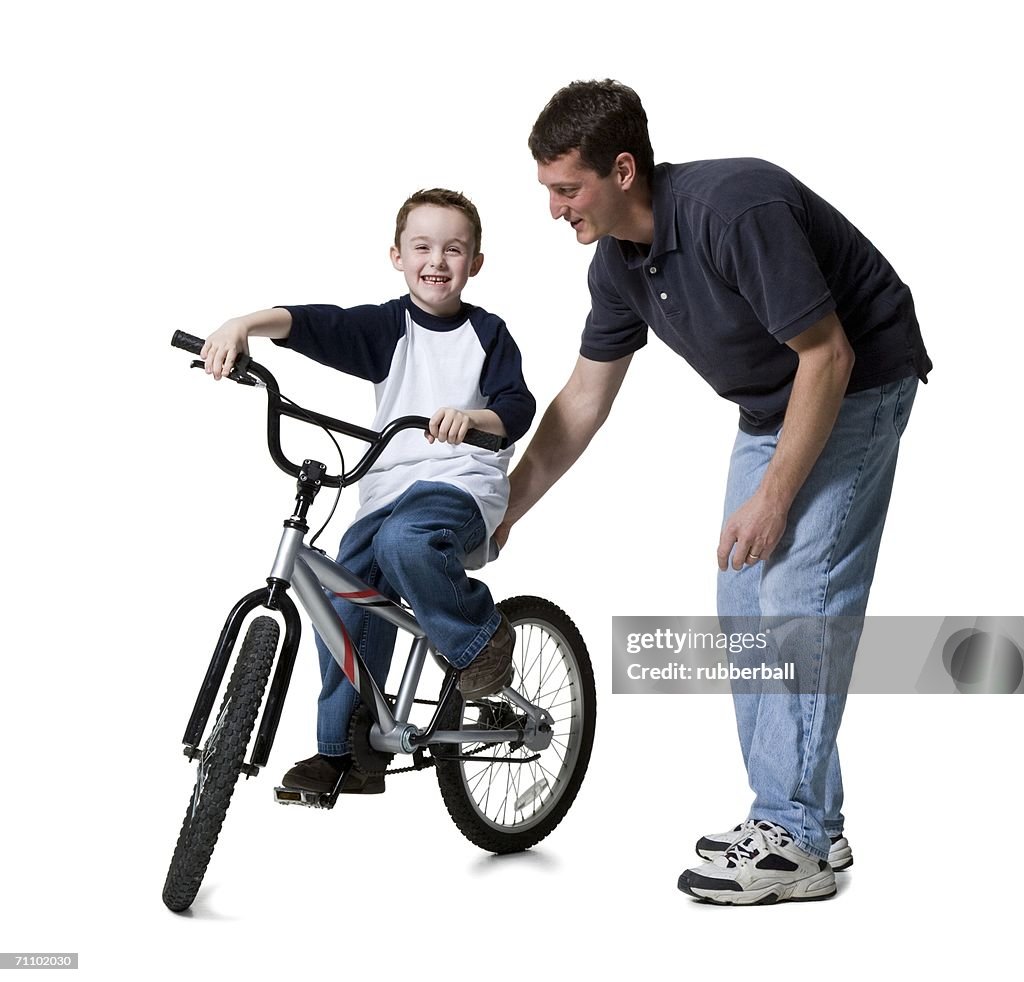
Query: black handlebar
pixel 248 372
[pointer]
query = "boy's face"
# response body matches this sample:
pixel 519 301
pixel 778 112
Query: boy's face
pixel 436 255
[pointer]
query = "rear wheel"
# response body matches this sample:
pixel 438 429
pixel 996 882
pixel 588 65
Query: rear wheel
pixel 499 804
pixel 221 763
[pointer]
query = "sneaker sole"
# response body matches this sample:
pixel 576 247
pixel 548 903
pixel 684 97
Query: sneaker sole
pixel 821 886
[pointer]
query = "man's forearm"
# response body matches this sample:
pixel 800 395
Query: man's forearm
pixel 817 394
pixel 568 426
pixel 558 443
pixel 756 527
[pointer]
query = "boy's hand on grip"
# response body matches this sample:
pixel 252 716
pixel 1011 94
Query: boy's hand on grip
pixel 449 425
pixel 223 347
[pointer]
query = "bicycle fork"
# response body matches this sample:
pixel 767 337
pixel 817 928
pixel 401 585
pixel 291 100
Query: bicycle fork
pixel 266 598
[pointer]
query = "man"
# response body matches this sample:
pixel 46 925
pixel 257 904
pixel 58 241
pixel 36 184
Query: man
pixel 789 311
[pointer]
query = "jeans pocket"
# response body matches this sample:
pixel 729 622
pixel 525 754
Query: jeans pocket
pixel 471 535
pixel 904 403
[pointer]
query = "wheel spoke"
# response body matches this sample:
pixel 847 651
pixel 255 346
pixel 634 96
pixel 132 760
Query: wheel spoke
pixel 552 693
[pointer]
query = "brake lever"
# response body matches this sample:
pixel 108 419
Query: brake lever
pixel 235 375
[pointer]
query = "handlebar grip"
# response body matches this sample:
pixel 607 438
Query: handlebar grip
pixel 487 441
pixel 189 342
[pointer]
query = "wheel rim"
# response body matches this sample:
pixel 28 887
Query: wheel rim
pixel 514 797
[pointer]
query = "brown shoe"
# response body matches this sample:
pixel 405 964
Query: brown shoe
pixel 319 774
pixel 491 670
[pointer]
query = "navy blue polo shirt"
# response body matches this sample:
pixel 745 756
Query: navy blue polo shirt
pixel 744 258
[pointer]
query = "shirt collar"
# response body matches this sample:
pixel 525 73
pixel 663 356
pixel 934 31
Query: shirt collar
pixel 434 323
pixel 665 236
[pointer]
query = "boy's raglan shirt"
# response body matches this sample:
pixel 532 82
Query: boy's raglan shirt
pixel 418 364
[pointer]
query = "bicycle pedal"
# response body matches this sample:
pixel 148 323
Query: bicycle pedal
pixel 293 796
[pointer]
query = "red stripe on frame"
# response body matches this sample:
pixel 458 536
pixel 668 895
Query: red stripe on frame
pixel 350 662
pixel 362 595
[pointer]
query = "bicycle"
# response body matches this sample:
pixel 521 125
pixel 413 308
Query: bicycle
pixel 508 767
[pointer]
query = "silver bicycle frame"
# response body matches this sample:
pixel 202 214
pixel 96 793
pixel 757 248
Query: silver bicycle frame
pixel 310 573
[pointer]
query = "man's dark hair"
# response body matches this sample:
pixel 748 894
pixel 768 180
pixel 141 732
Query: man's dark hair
pixel 600 120
pixel 443 198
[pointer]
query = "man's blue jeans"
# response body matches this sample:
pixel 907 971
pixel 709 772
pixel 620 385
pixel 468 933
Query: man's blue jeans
pixel 411 548
pixel 818 577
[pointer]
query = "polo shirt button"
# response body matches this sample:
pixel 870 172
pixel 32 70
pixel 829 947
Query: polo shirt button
pixel 664 296
pixel 654 269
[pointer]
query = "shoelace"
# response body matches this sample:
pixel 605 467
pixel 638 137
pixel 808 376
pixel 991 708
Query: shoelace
pixel 743 830
pixel 762 836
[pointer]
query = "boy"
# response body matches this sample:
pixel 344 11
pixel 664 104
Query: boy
pixel 426 504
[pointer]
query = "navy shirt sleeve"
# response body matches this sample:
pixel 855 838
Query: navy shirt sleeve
pixel 613 329
pixel 765 254
pixel 360 341
pixel 501 379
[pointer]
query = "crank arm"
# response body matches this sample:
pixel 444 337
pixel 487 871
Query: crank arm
pixel 475 736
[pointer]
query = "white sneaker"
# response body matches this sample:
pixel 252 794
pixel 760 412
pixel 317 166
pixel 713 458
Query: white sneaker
pixel 709 847
pixel 762 867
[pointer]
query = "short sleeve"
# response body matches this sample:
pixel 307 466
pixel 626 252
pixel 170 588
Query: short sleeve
pixel 766 255
pixel 613 329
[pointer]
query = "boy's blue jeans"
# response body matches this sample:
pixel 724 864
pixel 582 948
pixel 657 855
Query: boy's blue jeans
pixel 411 548
pixel 818 578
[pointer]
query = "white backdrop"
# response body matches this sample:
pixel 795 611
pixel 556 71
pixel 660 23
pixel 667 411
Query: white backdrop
pixel 168 166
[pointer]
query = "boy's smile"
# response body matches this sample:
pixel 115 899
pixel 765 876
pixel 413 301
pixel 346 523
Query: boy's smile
pixel 436 256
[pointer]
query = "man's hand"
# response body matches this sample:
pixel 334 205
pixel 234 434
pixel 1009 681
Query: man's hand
pixel 752 532
pixel 501 534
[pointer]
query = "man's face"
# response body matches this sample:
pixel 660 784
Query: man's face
pixel 594 206
pixel 436 255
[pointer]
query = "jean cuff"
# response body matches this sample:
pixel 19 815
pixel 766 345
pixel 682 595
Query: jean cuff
pixel 809 849
pixel 477 644
pixel 331 749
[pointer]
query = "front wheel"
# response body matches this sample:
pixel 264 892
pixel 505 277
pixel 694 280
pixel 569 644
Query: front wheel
pixel 221 763
pixel 501 805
